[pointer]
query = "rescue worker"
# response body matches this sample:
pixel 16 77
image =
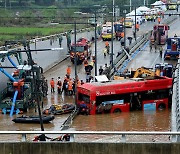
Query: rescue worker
pixel 41 137
pixel 155 46
pixel 64 87
pixel 150 46
pixel 85 62
pixel 59 85
pixel 130 40
pixel 107 46
pixel 66 137
pixel 160 51
pixel 82 82
pixel 137 26
pixel 78 83
pixel 159 20
pixel 52 85
pixel 46 87
pixel 60 40
pixel 68 71
pixel 101 70
pixel 105 52
pixel 70 87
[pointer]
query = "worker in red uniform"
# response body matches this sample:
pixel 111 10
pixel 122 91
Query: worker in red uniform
pixel 52 83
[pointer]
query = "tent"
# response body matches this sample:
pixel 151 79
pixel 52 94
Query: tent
pixel 143 8
pixel 160 5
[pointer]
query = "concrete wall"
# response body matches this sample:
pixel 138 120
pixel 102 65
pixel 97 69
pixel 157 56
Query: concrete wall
pixel 89 148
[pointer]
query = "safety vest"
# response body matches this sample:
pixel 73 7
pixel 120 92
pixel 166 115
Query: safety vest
pixel 70 85
pixel 52 83
pixel 68 70
pixel 106 43
pixel 137 26
pixel 78 83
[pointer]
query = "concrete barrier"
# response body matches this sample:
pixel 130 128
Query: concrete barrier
pixel 89 148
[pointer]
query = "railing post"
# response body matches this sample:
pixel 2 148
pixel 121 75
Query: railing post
pixel 23 138
pixel 123 139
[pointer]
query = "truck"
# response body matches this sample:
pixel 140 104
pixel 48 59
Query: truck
pixel 107 31
pixel 173 48
pixel 81 50
pixel 159 34
pixel 119 30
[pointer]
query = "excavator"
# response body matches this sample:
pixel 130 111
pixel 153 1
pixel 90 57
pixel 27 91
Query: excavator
pixel 143 72
pixel 162 69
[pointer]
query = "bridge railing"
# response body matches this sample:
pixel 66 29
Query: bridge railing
pixel 93 136
pixel 175 114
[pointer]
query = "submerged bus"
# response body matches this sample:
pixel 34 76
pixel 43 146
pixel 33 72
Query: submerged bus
pixel 125 95
pixel 159 34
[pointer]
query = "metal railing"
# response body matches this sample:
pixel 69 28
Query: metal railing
pixel 122 135
pixel 175 114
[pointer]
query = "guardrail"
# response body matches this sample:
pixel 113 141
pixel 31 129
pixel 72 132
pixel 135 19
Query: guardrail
pixel 118 62
pixel 121 138
pixel 175 114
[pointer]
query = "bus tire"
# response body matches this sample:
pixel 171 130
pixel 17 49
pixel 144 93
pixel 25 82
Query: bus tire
pixel 117 111
pixel 161 106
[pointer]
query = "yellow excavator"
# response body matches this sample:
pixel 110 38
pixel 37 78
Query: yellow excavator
pixel 162 69
pixel 143 72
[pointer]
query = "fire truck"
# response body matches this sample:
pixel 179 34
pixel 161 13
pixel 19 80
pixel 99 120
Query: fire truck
pixel 81 49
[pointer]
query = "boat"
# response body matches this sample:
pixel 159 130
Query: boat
pixel 59 109
pixel 33 119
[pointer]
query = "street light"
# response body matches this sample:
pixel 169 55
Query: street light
pixel 112 37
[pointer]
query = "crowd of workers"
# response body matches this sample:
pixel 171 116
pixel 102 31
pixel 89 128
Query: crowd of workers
pixel 67 85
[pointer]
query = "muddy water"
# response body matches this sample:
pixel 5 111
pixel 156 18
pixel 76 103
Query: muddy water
pixel 127 121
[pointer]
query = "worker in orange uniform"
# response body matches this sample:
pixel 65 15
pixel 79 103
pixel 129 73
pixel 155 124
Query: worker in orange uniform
pixel 159 20
pixel 78 83
pixel 137 26
pixel 70 87
pixel 85 62
pixel 68 70
pixel 52 83
pixel 106 43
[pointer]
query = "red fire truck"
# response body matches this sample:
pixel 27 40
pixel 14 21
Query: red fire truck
pixel 81 49
pixel 125 95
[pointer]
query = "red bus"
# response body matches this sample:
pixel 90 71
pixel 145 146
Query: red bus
pixel 125 95
pixel 159 34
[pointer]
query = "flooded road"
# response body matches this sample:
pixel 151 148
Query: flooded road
pixel 130 121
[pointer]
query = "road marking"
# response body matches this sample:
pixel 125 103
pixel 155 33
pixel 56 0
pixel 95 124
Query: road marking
pixel 153 64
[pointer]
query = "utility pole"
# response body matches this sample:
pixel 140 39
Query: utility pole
pixel 75 63
pixel 95 45
pixel 135 24
pixel 112 35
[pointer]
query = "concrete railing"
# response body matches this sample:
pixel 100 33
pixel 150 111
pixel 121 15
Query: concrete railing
pixel 122 137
